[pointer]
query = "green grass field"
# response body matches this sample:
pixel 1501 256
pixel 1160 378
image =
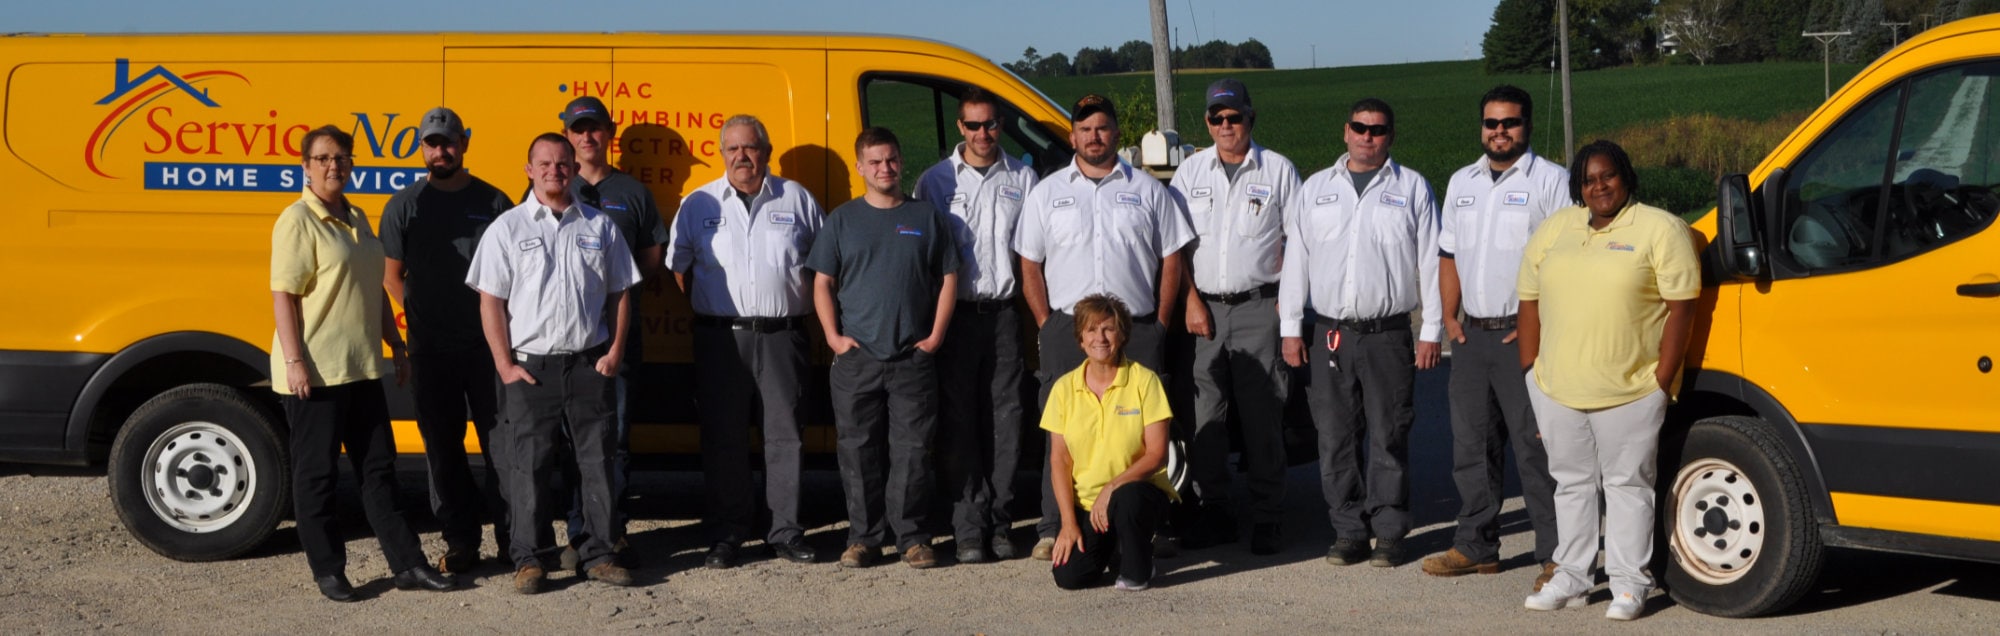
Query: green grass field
pixel 1299 111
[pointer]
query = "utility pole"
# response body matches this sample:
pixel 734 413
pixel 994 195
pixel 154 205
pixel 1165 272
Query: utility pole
pixel 1569 130
pixel 1315 56
pixel 1163 78
pixel 1895 29
pixel 1826 39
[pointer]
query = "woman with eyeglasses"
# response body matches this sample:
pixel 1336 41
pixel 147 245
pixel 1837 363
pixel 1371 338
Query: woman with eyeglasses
pixel 1107 424
pixel 1607 292
pixel 326 364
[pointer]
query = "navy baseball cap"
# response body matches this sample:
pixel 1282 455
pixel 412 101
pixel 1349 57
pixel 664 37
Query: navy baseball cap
pixel 583 108
pixel 1229 93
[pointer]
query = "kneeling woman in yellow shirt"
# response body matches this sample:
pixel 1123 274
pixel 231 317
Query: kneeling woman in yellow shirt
pixel 1107 449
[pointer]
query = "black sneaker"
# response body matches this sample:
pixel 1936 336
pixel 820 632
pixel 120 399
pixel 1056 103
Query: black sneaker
pixel 1267 538
pixel 1347 551
pixel 1386 555
pixel 795 551
pixel 721 556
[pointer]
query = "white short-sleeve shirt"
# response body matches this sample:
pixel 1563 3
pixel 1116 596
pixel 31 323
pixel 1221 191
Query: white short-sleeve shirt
pixel 747 261
pixel 1101 237
pixel 1483 225
pixel 555 272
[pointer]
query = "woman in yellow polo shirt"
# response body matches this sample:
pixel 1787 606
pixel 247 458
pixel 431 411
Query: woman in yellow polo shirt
pixel 326 364
pixel 1107 424
pixel 1607 300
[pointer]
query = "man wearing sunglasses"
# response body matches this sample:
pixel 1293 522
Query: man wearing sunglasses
pixel 1490 209
pixel 1235 193
pixel 1098 225
pixel 980 366
pixel 1361 251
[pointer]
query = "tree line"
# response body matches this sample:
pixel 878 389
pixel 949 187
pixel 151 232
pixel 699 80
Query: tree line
pixel 1137 55
pixel 1606 33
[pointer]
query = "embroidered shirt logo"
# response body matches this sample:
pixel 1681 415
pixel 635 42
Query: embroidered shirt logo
pixel 1396 200
pixel 1127 410
pixel 590 242
pixel 1619 247
pixel 1259 190
pixel 1517 198
pixel 784 218
pixel 1128 198
pixel 1010 192
pixel 907 230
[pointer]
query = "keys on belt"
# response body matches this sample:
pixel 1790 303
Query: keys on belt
pixel 759 325
pixel 1376 325
pixel 1238 298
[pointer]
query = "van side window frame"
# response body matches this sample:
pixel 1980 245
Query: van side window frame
pixel 1045 158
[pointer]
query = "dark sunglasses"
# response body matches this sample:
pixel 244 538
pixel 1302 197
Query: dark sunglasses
pixel 1218 120
pixel 990 124
pixel 1496 124
pixel 1376 130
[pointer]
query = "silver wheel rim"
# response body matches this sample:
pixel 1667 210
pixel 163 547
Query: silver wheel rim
pixel 1719 524
pixel 199 477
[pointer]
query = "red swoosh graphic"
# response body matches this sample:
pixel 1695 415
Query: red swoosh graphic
pixel 90 147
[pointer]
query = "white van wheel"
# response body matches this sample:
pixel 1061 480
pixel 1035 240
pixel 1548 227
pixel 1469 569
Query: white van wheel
pixel 199 473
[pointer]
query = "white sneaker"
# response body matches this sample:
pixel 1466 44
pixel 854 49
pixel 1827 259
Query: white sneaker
pixel 1127 585
pixel 1624 607
pixel 1553 597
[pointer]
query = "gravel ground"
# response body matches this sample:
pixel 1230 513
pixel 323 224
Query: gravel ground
pixel 66 565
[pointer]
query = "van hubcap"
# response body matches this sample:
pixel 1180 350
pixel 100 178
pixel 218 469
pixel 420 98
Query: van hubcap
pixel 1718 523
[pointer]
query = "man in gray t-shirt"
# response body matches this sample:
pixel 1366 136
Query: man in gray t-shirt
pixel 884 331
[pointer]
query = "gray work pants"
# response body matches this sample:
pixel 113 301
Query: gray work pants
pixel 571 399
pixel 1061 354
pixel 1611 452
pixel 979 438
pixel 884 416
pixel 1240 367
pixel 1490 409
pixel 1362 394
pixel 750 380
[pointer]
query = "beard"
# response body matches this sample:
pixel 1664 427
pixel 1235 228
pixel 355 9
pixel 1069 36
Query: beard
pixel 439 173
pixel 1506 155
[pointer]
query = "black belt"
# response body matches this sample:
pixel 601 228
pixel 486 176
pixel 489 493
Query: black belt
pixel 592 353
pixel 759 325
pixel 1260 292
pixel 1377 325
pixel 985 306
pixel 1491 324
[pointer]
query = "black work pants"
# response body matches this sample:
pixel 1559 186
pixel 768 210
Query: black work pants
pixel 1136 511
pixel 448 387
pixel 1061 354
pixel 1490 410
pixel 979 438
pixel 354 415
pixel 1362 393
pixel 885 414
pixel 750 380
pixel 570 399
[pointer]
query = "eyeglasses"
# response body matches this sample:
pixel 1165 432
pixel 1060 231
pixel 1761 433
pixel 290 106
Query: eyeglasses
pixel 1374 130
pixel 1496 124
pixel 976 126
pixel 325 160
pixel 1218 120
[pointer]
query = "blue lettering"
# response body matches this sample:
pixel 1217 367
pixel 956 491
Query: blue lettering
pixel 365 129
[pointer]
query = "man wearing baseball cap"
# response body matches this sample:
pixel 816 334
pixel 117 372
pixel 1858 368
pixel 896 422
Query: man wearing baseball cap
pixel 429 231
pixel 1097 225
pixel 591 129
pixel 1235 194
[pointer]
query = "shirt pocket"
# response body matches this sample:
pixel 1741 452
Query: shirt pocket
pixel 781 244
pixel 1262 221
pixel 1512 232
pixel 1201 212
pixel 595 265
pixel 1070 226
pixel 1393 226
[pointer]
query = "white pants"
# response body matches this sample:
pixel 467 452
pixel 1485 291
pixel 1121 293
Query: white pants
pixel 1612 451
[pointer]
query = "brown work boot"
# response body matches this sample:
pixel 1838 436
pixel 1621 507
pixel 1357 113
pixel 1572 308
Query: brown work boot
pixel 1045 550
pixel 610 574
pixel 1548 572
pixel 858 556
pixel 1455 563
pixel 528 579
pixel 920 556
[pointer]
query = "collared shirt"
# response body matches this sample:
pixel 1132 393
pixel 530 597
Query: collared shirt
pixel 984 208
pixel 335 268
pixel 1239 225
pixel 1107 237
pixel 1484 224
pixel 434 232
pixel 1601 294
pixel 1105 434
pixel 555 272
pixel 1361 255
pixel 747 261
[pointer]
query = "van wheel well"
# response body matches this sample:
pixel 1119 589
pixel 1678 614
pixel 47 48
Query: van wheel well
pixel 160 374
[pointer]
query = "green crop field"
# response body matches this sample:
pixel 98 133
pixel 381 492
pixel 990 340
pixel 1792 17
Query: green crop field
pixel 1299 111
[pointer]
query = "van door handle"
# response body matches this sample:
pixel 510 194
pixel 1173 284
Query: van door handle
pixel 1979 290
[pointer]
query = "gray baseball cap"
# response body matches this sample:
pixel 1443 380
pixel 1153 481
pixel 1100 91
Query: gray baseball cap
pixel 441 121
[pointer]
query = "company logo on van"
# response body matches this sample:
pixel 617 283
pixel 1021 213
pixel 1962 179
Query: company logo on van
pixel 171 106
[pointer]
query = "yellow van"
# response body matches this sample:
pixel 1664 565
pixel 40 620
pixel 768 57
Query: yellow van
pixel 1844 393
pixel 143 174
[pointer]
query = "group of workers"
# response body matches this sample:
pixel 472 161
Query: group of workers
pixel 1165 311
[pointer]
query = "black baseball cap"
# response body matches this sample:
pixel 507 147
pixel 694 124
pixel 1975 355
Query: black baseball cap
pixel 1229 93
pixel 583 108
pixel 1090 105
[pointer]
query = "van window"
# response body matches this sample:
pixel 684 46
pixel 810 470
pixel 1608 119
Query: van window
pixel 923 112
pixel 1910 170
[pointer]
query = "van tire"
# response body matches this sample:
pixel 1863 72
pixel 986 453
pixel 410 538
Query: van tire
pixel 1741 539
pixel 200 473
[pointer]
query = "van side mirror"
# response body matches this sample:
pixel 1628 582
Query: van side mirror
pixel 1737 219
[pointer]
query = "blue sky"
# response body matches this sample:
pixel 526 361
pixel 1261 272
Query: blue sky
pixel 1345 33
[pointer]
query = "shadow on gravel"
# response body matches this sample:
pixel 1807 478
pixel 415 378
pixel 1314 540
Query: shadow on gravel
pixel 1860 577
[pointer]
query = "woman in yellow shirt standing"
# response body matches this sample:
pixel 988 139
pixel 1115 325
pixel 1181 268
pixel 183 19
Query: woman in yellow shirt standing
pixel 1607 293
pixel 1107 452
pixel 326 364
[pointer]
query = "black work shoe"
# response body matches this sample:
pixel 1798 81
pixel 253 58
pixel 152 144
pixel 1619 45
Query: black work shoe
pixel 1267 538
pixel 795 551
pixel 425 578
pixel 971 552
pixel 459 559
pixel 1386 555
pixel 335 588
pixel 1003 548
pixel 721 556
pixel 1347 551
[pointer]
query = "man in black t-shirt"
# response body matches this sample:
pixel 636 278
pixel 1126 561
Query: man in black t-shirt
pixel 429 232
pixel 884 330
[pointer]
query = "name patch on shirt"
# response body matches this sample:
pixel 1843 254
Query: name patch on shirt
pixel 1063 202
pixel 1259 190
pixel 1517 198
pixel 590 242
pixel 784 218
pixel 1010 192
pixel 714 222
pixel 1128 198
pixel 957 198
pixel 1331 198
pixel 531 244
pixel 1395 200
pixel 1199 192
pixel 1616 246
pixel 906 230
pixel 1127 410
pixel 1466 202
